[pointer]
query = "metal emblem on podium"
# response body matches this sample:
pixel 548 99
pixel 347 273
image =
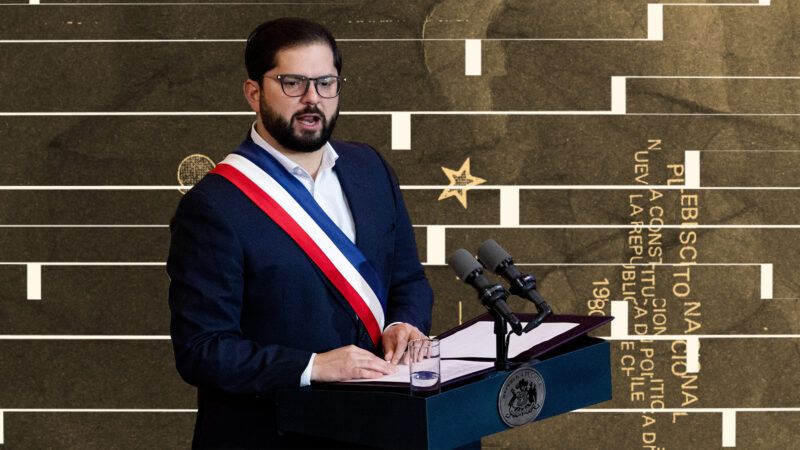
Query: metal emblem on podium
pixel 521 397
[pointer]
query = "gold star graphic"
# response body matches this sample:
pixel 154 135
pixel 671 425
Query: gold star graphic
pixel 462 178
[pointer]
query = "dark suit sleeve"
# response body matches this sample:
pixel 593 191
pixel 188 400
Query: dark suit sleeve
pixel 205 266
pixel 410 295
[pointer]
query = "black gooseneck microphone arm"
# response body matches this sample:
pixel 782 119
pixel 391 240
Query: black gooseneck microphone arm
pixel 499 261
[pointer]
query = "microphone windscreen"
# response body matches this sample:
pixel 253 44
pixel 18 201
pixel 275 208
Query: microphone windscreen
pixel 492 255
pixel 463 263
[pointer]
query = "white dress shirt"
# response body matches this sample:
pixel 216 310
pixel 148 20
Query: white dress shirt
pixel 325 189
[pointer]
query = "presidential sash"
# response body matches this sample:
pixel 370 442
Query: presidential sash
pixel 289 204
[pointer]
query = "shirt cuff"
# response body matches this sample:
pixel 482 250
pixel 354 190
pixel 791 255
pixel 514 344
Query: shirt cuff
pixel 391 325
pixel 305 377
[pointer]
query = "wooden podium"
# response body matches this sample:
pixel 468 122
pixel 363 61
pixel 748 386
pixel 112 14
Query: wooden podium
pixel 575 370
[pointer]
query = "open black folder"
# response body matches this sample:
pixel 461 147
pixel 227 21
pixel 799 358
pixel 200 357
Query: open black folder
pixel 468 350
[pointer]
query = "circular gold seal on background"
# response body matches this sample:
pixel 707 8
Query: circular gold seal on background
pixel 192 169
pixel 521 397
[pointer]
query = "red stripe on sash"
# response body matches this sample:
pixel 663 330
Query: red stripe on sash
pixel 293 229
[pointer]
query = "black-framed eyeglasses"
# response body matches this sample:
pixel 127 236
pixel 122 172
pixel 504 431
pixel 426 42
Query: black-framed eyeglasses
pixel 328 86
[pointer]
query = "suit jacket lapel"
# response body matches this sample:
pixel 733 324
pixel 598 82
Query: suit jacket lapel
pixel 360 203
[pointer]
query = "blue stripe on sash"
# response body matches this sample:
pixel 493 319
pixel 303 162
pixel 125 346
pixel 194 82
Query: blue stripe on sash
pixel 295 188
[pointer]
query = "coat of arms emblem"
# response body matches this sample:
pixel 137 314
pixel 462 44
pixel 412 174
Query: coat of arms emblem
pixel 521 397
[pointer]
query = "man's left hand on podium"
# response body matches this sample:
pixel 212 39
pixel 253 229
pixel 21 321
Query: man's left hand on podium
pixel 395 340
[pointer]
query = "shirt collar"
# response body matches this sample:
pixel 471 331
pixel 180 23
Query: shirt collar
pixel 329 155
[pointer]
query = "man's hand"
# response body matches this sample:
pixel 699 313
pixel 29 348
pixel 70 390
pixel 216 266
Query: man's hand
pixel 395 340
pixel 348 363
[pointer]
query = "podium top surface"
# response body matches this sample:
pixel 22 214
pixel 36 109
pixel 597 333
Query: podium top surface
pixel 585 325
pixel 543 350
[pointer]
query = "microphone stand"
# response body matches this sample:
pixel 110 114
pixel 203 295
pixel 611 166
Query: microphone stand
pixel 501 343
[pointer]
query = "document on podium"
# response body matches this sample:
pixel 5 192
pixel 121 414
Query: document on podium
pixel 450 370
pixel 478 340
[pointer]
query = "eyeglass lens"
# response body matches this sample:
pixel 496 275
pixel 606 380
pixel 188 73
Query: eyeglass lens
pixel 295 86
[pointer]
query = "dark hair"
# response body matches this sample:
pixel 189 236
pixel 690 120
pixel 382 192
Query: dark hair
pixel 270 37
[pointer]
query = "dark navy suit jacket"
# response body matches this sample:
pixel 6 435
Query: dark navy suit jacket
pixel 249 307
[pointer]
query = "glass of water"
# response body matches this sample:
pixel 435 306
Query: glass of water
pixel 424 365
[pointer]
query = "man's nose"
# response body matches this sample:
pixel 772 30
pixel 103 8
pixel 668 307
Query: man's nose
pixel 311 95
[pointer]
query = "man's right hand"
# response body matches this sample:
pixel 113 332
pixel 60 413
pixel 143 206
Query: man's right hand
pixel 348 363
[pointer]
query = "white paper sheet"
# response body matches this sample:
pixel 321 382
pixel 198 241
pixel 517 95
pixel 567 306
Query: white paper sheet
pixel 478 340
pixel 451 369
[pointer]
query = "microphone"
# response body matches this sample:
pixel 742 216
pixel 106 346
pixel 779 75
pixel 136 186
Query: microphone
pixel 492 296
pixel 495 258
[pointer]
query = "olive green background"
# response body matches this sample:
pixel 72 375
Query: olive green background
pixel 165 81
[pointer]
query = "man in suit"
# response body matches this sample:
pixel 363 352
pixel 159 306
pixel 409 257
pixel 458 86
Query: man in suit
pixel 328 288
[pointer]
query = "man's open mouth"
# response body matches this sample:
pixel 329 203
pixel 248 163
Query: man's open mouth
pixel 309 120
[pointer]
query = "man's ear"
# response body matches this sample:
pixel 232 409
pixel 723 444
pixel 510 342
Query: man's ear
pixel 252 93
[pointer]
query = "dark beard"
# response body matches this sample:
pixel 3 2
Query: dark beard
pixel 282 130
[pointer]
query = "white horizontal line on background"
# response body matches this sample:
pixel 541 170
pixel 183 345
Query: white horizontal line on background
pixel 486 226
pixel 622 226
pixel 94 410
pixel 541 187
pixel 755 3
pixel 38 3
pixel 93 188
pixel 749 151
pixel 109 337
pixel 89 264
pixel 582 410
pixel 54 3
pixel 686 410
pixel 633 264
pixel 683 337
pixel 371 113
pixel 200 40
pixel 715 77
pixel 81 226
pixel 72 263
pixel 110 41
pixel 343 113
pixel 454 39
pixel 619 226
pixel 129 113
pixel 587 187
pixel 715 114
pixel 82 337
